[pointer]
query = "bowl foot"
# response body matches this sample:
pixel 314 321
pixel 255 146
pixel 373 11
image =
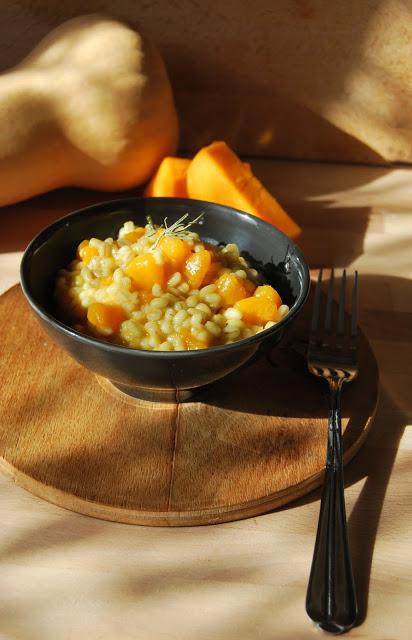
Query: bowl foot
pixel 168 396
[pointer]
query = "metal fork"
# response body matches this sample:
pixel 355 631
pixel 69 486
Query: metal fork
pixel 331 597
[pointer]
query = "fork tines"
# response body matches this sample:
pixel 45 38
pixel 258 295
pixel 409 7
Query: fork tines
pixel 334 332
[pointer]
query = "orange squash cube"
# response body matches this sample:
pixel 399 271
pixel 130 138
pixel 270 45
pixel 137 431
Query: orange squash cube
pixel 231 288
pixel 176 251
pixel 105 318
pixel 193 343
pixel 196 268
pixel 144 272
pixel 257 310
pixel 268 292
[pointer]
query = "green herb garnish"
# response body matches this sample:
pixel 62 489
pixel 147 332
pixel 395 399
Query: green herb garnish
pixel 176 230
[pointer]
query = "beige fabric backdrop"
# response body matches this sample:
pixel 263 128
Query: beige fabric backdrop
pixel 313 79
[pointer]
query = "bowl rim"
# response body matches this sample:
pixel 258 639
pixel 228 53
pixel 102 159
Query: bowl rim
pixel 45 234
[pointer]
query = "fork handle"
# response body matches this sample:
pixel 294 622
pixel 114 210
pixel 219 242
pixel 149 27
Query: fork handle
pixel 331 597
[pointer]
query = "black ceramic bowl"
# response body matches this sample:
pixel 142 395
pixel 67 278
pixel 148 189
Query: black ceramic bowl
pixel 266 248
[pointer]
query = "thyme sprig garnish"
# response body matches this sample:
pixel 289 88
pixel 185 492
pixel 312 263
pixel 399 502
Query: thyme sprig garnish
pixel 176 230
pixel 151 228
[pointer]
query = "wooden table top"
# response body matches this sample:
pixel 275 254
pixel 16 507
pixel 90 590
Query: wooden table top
pixel 66 576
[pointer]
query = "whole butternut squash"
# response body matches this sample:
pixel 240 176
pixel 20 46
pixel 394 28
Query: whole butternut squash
pixel 91 106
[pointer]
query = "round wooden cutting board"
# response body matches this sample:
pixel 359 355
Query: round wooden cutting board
pixel 246 445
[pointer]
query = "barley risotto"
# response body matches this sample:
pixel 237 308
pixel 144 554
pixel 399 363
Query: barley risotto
pixel 163 289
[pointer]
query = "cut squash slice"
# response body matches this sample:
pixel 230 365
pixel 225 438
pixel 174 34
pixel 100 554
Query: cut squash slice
pixel 169 180
pixel 217 174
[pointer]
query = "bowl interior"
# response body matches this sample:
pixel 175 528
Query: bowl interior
pixel 270 251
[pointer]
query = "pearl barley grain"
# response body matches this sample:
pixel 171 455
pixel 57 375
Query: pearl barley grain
pixel 283 310
pixel 213 328
pixel 192 301
pixel 175 279
pixel 213 299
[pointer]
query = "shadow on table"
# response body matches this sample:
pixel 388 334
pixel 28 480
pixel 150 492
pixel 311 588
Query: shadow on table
pixel 332 237
pixel 322 198
pixel 376 460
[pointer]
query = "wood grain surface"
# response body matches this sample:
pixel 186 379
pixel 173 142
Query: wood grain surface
pixel 252 442
pixel 65 576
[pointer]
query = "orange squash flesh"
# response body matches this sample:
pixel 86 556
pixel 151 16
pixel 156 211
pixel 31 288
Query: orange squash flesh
pixel 249 286
pixel 145 297
pixel 144 272
pixel 212 273
pixel 231 288
pixel 268 292
pixel 134 235
pixel 192 342
pixel 196 268
pixel 217 174
pixel 105 317
pixel 176 251
pixel 256 310
pixel 170 179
